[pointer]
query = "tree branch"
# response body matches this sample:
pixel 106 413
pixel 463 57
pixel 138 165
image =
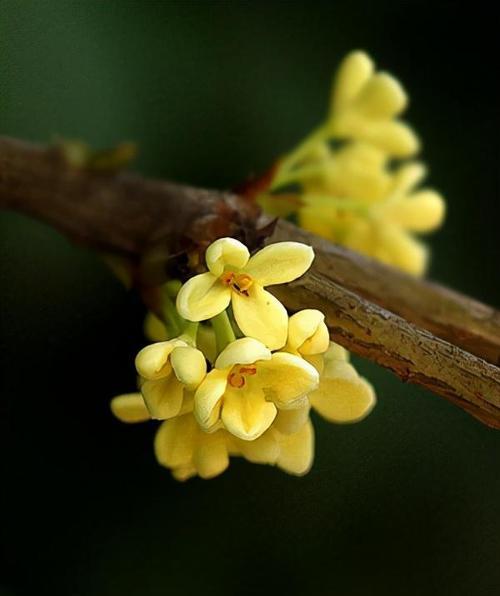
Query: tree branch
pixel 424 333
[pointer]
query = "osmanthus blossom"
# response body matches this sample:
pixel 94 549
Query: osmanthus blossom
pixel 342 395
pixel 346 181
pixel 236 278
pixel 169 372
pixel 183 447
pixel 220 396
pixel 381 216
pixel 365 105
pixel 247 385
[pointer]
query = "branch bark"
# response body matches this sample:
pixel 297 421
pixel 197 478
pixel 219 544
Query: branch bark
pixel 424 333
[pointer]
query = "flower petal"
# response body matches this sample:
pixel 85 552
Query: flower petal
pixel 175 442
pixel 130 407
pixel 183 473
pixel 246 350
pixel 202 297
pixel 280 263
pixel 152 362
pixel 211 456
pixel 163 397
pixel 354 71
pixel 286 379
pixel 208 398
pixel 398 248
pixel 262 316
pixel 307 332
pixel 342 395
pixel 288 422
pixel 393 136
pixel 421 212
pixel 381 97
pixel 264 450
pixel 297 451
pixel 189 365
pixel 406 178
pixel 246 414
pixel 226 253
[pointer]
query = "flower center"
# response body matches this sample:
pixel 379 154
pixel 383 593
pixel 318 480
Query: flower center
pixel 237 375
pixel 239 282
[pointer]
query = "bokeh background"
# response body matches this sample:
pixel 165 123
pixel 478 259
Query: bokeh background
pixel 406 502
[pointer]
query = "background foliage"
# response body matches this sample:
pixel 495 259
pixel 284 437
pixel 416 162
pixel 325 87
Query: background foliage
pixel 407 501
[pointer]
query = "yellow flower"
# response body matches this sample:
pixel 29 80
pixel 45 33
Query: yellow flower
pixel 292 452
pixel 359 204
pixel 235 277
pixel 248 384
pixel 155 330
pixel 365 104
pixel 342 395
pixel 170 371
pixel 183 447
pixel 130 407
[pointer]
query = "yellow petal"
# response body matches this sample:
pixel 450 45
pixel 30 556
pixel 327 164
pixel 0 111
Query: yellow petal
pixel 163 397
pixel 208 398
pixel 246 414
pixel 288 422
pixel 311 220
pixel 297 451
pixel 342 395
pixel 406 178
pixel 381 97
pixel 184 473
pixel 397 248
pixel 421 212
pixel 226 253
pixel 336 352
pixel 307 332
pixel 130 408
pixel 395 137
pixel 246 350
pixel 280 263
pixel 152 362
pixel 154 328
pixel 175 442
pixel 354 71
pixel 264 450
pixel 262 316
pixel 189 365
pixel 286 379
pixel 211 456
pixel 202 297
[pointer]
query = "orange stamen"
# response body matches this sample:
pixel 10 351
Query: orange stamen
pixel 236 380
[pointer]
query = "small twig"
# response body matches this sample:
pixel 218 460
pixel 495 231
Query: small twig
pixel 424 333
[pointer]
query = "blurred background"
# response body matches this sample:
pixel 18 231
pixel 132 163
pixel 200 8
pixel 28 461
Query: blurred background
pixel 406 502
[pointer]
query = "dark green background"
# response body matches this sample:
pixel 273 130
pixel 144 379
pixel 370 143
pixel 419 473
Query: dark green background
pixel 406 503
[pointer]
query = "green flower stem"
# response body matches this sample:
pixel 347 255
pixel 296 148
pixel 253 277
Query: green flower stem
pixel 189 333
pixel 171 317
pixel 224 333
pixel 297 175
pixel 299 153
pixel 172 287
pixel 344 204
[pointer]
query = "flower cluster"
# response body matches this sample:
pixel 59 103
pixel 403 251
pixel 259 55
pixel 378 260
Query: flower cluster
pixel 347 181
pixel 242 376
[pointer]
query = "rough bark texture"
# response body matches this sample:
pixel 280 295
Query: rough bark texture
pixel 424 333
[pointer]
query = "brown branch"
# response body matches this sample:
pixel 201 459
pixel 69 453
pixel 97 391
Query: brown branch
pixel 424 333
